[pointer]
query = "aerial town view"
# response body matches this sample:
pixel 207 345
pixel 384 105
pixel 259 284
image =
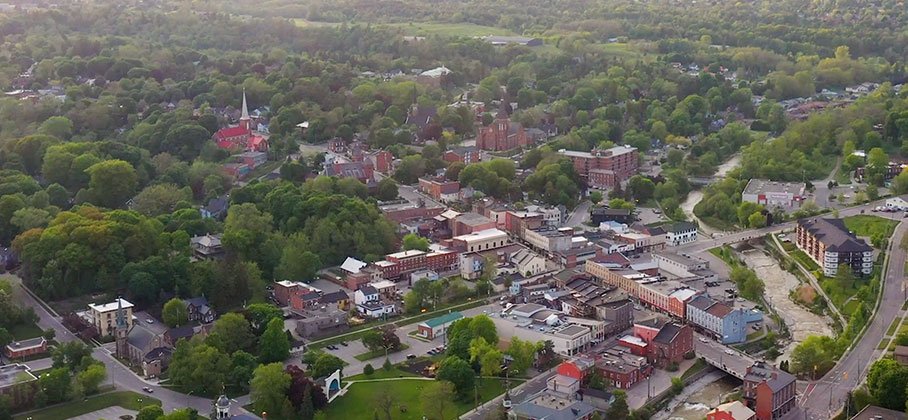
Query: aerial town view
pixel 453 209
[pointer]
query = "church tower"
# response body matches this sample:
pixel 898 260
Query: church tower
pixel 122 331
pixel 245 121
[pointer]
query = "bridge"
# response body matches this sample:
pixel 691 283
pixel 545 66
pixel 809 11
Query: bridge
pixel 725 358
pixel 702 180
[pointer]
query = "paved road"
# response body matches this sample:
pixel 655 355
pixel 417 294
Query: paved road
pixel 580 214
pixel 117 374
pixel 827 395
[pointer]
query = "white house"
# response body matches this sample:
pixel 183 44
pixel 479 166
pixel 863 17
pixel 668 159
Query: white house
pixel 369 304
pixel 680 233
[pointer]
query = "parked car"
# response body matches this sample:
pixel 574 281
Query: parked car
pixel 411 356
pixel 148 390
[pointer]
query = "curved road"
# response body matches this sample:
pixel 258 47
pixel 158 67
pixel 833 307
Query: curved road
pixel 118 375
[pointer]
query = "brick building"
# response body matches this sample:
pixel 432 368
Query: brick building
pixel 440 188
pixel 502 134
pixel 769 391
pixel 604 168
pixel 465 155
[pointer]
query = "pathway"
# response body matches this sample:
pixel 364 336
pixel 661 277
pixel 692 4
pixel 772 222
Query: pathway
pixel 109 413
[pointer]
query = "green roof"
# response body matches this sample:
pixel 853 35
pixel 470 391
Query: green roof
pixel 444 319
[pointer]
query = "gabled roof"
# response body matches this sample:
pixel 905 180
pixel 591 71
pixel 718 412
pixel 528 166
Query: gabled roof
pixel 834 234
pixel 228 132
pixel 444 319
pixel 139 337
pixel 668 333
pixel 701 302
pixel 352 265
pixel 217 205
pixel 719 310
pixel 334 297
pixel 158 353
pixel 681 227
pixel 368 290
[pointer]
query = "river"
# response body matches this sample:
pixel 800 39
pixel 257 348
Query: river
pixel 778 283
pixel 694 197
pixel 699 403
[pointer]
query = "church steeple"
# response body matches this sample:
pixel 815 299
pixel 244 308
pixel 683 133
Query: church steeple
pixel 245 121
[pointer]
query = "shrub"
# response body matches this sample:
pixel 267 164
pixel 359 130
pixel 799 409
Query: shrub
pixel 387 365
pixel 368 369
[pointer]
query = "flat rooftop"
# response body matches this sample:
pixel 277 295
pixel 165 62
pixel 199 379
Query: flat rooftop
pixel 13 374
pixel 758 186
pixel 481 235
pixel 112 306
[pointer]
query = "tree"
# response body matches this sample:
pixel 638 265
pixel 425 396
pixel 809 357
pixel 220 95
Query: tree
pixel 274 346
pixel 160 199
pixel 618 409
pixel 112 182
pixel 198 367
pixel 260 314
pixel 231 332
pixel 523 352
pixel 268 390
pixel 877 165
pixel 617 203
pixel 414 241
pixel 387 366
pixel 56 385
pixel 368 369
pixel 386 190
pixel 150 412
pixel 297 261
pixel 458 372
pixel 72 355
pixel 887 381
pixel 325 365
pixel 304 393
pixel 242 367
pixel 483 326
pixel 814 356
pixel 175 313
pixel 435 398
pixel 57 126
pixel 640 188
pixel 486 356
pixel 596 197
pixel 91 377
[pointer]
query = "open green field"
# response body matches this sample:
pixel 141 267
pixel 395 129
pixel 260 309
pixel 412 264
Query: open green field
pixel 126 399
pixel 425 28
pixel 867 225
pixel 380 373
pixel 360 400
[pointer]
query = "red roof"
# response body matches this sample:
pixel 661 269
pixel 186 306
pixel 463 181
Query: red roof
pixel 227 132
pixel 257 143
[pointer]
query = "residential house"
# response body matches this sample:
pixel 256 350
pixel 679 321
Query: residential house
pixel 369 303
pixel 199 310
pixel 339 299
pixel 207 247
pixel 216 208
pixel 465 155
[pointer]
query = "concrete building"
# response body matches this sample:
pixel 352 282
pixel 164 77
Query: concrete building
pixel 728 325
pixel 436 327
pixel 467 223
pixel 18 384
pixel 770 392
pixel 680 233
pixel 604 168
pixel 552 216
pixel 481 241
pixel 600 215
pixel 547 405
pixel 548 239
pixel 534 322
pixel 669 296
pixel 772 194
pixel 104 317
pixel 831 244
pixel 321 322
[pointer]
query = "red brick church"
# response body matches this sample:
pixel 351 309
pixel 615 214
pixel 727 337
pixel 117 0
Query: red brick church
pixel 241 137
pixel 502 134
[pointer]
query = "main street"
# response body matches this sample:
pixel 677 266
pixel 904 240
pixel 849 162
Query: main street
pixel 119 375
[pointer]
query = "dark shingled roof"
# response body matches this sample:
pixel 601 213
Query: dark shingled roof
pixel 668 333
pixel 834 234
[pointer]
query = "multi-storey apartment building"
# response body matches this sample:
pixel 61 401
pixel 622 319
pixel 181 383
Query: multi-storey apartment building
pixel 831 244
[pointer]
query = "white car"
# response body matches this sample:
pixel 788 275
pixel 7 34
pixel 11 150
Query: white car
pixel 729 352
pixel 703 340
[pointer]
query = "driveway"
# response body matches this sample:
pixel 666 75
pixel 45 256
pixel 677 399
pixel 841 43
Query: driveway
pixel 109 413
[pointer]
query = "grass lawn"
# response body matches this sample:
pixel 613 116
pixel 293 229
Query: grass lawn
pixel 696 367
pixel 359 402
pixel 843 177
pixel 447 29
pixel 380 373
pixel 802 258
pixel 25 331
pixel 126 399
pixel 892 327
pixel 867 225
pixel 369 355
